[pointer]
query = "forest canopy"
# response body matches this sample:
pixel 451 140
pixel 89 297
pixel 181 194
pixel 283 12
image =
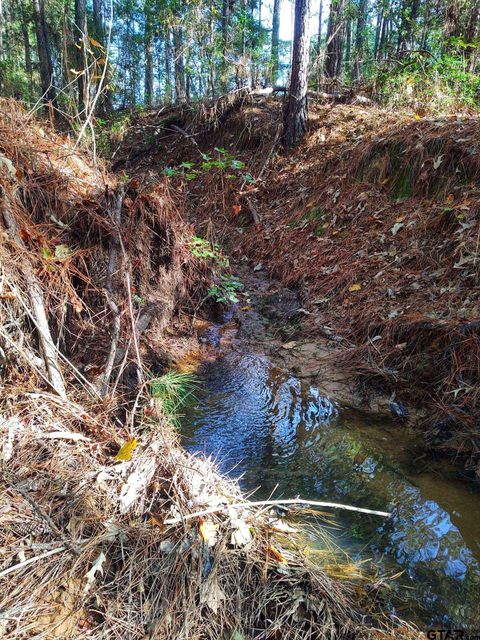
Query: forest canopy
pixel 144 52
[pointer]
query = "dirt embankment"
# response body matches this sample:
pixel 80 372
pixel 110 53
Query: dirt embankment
pixel 375 219
pixel 108 528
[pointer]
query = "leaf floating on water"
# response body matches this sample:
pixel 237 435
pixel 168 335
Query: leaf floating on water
pixel 208 532
pixel 126 450
pixel 355 287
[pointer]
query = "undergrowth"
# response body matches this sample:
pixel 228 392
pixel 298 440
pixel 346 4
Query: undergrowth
pixel 172 390
pixel 428 84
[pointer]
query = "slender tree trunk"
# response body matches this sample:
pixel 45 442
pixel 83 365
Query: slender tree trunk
pixel 168 64
pixel 378 31
pixel 274 56
pixel 348 47
pixel 81 35
pixel 178 62
pixel 295 114
pixel 360 39
pixel 44 53
pixel 148 44
pixel 225 23
pixel 382 45
pixel 406 34
pixel 334 54
pixel 27 48
pixel 318 51
pixel 242 68
pixel 319 34
pixel 98 20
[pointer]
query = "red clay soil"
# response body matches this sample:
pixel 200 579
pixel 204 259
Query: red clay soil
pixel 375 216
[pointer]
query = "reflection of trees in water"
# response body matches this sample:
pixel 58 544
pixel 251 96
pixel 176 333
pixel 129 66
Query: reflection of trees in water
pixel 277 431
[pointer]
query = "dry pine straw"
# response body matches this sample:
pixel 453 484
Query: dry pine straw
pixel 85 552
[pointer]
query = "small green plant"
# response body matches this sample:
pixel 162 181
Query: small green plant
pixel 201 248
pixel 226 290
pixel 172 390
pixel 224 162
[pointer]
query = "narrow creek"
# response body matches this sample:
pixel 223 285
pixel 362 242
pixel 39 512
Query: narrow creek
pixel 279 435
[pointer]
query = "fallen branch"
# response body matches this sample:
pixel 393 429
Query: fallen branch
pixel 266 503
pixel 255 215
pixel 25 563
pixel 113 343
pixel 48 348
pixel 112 263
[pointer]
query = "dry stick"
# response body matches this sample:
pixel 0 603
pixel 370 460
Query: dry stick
pixel 270 153
pixel 113 345
pixel 25 563
pixel 253 211
pixel 88 385
pixel 38 308
pixel 264 503
pixel 112 263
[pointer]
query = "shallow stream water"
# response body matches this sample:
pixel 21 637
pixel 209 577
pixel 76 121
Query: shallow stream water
pixel 280 435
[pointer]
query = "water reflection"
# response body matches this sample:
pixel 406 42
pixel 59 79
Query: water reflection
pixel 271 430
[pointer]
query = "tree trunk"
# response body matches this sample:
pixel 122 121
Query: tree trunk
pixel 334 54
pixel 382 45
pixel 319 34
pixel 81 62
pixel 360 39
pixel 406 35
pixel 98 21
pixel 274 56
pixel 44 53
pixel 27 51
pixel 148 44
pixel 225 23
pixel 348 46
pixel 241 66
pixel 295 114
pixel 178 63
pixel 378 31
pixel 168 65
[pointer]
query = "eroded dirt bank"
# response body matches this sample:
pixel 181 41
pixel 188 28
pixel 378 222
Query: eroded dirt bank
pixel 373 220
